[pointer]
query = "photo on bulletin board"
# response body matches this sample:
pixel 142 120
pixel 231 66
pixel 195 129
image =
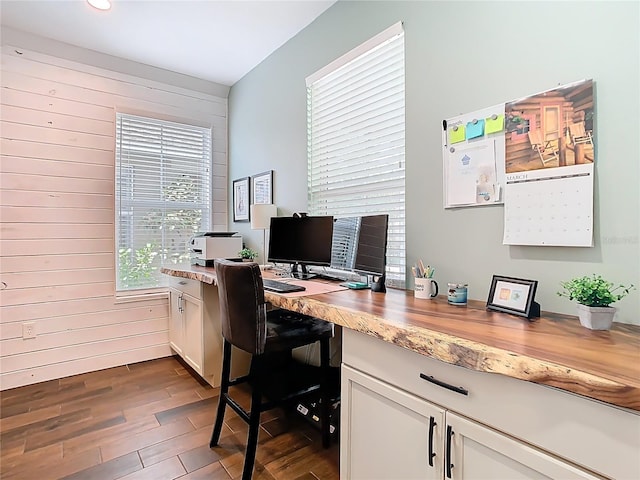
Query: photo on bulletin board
pixel 550 129
pixel 514 296
pixel 241 200
pixel 262 188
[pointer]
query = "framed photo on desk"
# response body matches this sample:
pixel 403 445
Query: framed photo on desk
pixel 514 296
pixel 241 200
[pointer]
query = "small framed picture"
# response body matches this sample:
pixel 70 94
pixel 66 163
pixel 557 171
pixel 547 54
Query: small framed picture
pixel 241 200
pixel 513 295
pixel 262 187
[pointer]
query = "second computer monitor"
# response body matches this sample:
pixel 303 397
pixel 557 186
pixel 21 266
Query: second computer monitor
pixel 360 244
pixel 371 254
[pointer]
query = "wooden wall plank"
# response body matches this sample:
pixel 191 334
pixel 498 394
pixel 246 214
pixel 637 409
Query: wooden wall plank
pixel 67 153
pixel 54 278
pixel 49 325
pixel 10 51
pixel 48 103
pixel 214 116
pixel 37 68
pixel 57 249
pixel 27 231
pixel 63 308
pixel 39 118
pixel 56 136
pixel 16 181
pixel 54 168
pixel 56 246
pixel 47 294
pixel 80 336
pixel 23 198
pixel 86 350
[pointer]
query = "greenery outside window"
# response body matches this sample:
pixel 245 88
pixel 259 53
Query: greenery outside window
pixel 163 196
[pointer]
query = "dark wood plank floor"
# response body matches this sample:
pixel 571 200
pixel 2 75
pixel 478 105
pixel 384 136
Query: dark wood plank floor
pixel 150 420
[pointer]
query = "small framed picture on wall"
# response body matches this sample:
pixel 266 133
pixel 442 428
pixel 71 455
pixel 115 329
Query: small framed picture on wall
pixel 241 188
pixel 262 187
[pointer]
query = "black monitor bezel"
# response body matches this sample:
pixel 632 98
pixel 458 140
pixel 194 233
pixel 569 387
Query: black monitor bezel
pixel 325 261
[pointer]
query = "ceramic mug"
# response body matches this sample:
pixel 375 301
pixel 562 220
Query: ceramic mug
pixel 457 293
pixel 425 288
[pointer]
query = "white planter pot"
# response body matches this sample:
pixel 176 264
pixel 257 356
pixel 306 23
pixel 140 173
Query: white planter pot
pixel 596 318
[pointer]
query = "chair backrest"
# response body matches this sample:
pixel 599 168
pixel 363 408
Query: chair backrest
pixel 577 130
pixel 243 311
pixel 535 137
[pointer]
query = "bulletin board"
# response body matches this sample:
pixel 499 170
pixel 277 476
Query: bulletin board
pixel 473 158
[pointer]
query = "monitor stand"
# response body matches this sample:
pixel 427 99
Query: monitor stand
pixel 378 285
pixel 299 271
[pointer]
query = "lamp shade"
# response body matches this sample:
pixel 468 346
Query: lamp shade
pixel 261 214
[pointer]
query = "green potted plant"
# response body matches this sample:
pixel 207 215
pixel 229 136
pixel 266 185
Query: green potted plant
pixel 594 295
pixel 247 255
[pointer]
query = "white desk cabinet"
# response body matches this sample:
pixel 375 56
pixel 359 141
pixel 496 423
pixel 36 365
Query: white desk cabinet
pixel 194 329
pixel 397 425
pixel 388 433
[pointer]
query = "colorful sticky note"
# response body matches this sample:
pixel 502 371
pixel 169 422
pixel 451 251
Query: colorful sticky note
pixel 475 130
pixel 456 134
pixel 494 125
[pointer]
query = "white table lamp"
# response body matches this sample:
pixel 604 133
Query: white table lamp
pixel 261 214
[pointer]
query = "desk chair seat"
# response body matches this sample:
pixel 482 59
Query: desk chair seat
pixel 269 337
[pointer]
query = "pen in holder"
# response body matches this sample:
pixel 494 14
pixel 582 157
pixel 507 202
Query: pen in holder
pixel 425 288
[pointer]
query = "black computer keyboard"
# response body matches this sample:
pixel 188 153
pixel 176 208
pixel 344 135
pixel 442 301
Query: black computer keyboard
pixel 281 287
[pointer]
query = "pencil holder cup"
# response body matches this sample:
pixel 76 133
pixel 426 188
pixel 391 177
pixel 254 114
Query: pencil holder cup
pixel 425 288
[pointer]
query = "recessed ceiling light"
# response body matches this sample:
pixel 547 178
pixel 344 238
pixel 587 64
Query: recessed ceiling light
pixel 100 4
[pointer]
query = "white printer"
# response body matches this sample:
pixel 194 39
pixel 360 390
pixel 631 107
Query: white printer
pixel 206 247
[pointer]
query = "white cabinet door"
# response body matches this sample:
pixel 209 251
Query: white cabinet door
pixel 473 451
pixel 176 324
pixel 192 345
pixel 387 433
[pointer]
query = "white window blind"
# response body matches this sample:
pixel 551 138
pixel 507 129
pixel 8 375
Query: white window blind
pixel 356 140
pixel 163 196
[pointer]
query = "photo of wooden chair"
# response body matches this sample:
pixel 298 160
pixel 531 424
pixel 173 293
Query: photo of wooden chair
pixel 578 134
pixel 547 150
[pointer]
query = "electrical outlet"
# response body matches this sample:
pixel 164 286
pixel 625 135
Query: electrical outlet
pixel 29 330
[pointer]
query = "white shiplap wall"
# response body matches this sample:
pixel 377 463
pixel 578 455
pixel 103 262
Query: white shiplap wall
pixel 57 247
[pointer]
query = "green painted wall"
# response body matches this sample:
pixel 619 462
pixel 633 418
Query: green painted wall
pixel 463 56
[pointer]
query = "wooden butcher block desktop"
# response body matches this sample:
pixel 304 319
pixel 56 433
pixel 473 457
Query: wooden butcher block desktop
pixel 553 350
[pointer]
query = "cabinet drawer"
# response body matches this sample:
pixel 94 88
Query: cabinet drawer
pixel 186 285
pixel 597 436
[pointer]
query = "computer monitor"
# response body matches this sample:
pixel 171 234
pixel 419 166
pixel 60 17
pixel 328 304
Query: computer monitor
pixel 360 245
pixel 371 253
pixel 301 241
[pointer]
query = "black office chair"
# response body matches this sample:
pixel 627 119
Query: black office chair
pixel 266 335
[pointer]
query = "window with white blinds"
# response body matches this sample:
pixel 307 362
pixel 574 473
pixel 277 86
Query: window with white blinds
pixel 356 139
pixel 163 196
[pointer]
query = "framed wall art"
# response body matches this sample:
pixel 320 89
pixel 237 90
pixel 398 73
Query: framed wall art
pixel 241 188
pixel 513 295
pixel 262 187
